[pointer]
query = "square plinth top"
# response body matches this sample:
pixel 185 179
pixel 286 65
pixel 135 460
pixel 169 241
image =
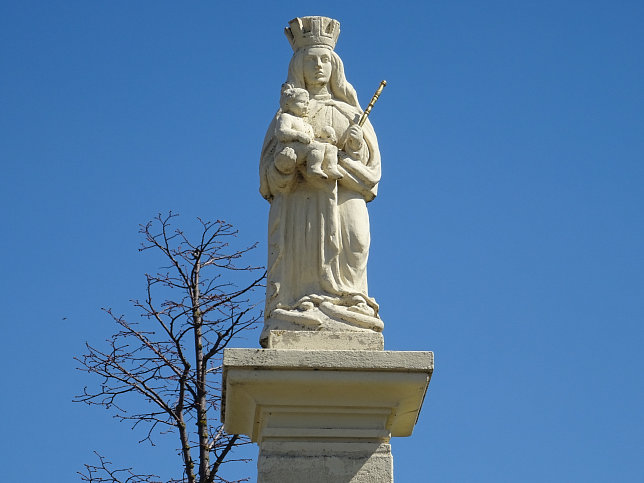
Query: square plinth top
pixel 260 383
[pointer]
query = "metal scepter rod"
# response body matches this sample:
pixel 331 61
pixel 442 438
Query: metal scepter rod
pixel 375 97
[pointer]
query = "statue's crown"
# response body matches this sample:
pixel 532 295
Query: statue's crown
pixel 310 31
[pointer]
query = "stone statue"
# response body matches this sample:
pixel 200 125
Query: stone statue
pixel 319 168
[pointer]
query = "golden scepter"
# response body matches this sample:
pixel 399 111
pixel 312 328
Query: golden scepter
pixel 375 97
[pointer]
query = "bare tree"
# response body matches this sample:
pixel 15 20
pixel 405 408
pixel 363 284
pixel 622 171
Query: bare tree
pixel 171 357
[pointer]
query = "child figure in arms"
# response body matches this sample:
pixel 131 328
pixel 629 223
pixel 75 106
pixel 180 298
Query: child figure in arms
pixel 297 135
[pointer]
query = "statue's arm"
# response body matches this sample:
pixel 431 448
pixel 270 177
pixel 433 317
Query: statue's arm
pixel 358 176
pixel 272 180
pixel 360 159
pixel 285 133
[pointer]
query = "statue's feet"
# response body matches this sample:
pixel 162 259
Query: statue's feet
pixel 362 308
pixel 333 173
pixel 317 171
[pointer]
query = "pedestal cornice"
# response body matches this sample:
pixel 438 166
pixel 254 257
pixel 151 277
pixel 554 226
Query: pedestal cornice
pixel 317 395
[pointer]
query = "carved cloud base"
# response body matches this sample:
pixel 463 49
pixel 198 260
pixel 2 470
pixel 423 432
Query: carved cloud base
pixel 324 415
pixel 326 317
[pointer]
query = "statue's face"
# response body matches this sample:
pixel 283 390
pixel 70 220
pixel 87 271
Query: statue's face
pixel 299 105
pixel 317 66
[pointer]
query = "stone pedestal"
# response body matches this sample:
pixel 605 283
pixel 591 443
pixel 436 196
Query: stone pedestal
pixel 321 462
pixel 323 415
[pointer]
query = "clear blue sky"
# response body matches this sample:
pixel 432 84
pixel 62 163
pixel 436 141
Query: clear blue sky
pixel 508 234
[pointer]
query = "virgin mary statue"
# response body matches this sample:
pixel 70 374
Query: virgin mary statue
pixel 318 228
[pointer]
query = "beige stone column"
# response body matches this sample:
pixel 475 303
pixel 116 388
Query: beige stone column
pixel 324 415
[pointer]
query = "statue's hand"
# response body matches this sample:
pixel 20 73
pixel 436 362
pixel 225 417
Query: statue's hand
pixel 347 163
pixel 304 138
pixel 355 138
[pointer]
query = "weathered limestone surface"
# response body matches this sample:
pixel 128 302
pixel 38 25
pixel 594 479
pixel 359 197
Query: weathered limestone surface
pixel 319 167
pixel 290 339
pixel 323 398
pixel 324 462
pixel 338 360
pixel 339 407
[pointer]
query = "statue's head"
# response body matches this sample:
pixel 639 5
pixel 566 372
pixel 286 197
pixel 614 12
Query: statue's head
pixel 294 100
pixel 314 61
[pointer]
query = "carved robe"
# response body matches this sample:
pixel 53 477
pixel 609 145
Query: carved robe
pixel 318 233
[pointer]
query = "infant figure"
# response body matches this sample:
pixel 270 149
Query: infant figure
pixel 298 139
